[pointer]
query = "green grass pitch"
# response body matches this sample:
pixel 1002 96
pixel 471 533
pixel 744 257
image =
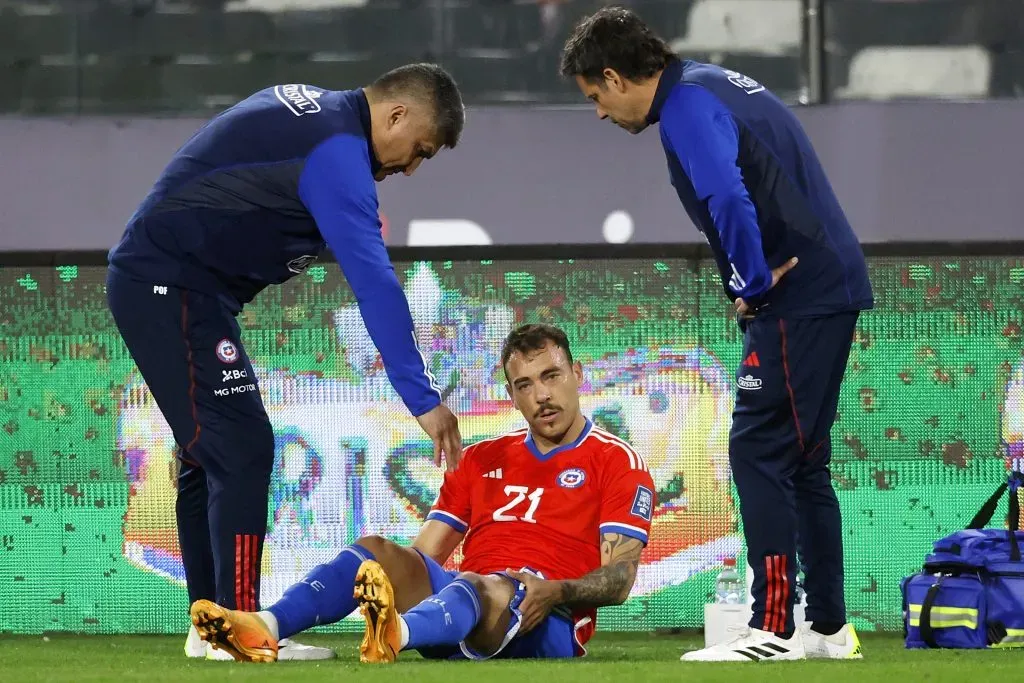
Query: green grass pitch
pixel 614 657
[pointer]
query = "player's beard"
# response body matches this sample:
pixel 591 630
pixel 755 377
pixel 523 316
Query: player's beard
pixel 554 432
pixel 551 428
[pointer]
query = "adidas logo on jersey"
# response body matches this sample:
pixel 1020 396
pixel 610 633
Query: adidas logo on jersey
pixel 752 361
pixel 493 474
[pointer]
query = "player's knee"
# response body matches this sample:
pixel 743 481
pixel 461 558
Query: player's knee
pixel 494 591
pixel 396 559
pixel 381 547
pixel 474 580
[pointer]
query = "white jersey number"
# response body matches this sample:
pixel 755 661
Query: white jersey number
pixel 521 494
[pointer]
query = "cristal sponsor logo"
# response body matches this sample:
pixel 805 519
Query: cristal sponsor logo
pixel 299 99
pixel 233 374
pixel 240 389
pixel 744 83
pixel 750 383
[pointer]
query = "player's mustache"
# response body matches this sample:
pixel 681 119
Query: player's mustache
pixel 546 407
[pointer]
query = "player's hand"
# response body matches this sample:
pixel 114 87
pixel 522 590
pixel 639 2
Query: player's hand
pixel 741 306
pixel 541 597
pixel 443 428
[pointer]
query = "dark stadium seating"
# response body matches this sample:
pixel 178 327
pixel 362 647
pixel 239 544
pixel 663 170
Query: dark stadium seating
pixel 26 38
pixel 1008 73
pixel 102 56
pixel 363 30
pixel 854 24
pixel 162 37
pixel 505 26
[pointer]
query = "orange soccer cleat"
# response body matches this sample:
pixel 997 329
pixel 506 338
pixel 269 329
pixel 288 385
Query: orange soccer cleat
pixel 377 604
pixel 243 635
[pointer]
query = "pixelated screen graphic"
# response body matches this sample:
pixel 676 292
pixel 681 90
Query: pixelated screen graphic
pixel 931 416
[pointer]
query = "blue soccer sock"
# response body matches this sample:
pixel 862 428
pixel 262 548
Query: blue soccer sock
pixel 323 597
pixel 445 618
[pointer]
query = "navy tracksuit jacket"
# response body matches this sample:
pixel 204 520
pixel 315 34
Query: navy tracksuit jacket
pixel 749 179
pixel 250 200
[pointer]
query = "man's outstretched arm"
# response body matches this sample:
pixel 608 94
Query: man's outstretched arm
pixel 337 187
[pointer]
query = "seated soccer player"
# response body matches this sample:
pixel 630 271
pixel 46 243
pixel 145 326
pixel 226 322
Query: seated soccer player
pixel 554 519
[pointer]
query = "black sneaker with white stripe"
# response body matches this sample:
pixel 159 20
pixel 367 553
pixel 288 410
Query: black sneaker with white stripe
pixel 751 645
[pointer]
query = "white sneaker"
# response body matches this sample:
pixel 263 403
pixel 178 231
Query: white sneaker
pixel 287 650
pixel 843 644
pixel 194 645
pixel 197 648
pixel 215 655
pixel 751 645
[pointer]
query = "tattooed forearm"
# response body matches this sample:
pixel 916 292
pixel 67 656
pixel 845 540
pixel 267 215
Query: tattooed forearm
pixel 611 583
pixel 608 585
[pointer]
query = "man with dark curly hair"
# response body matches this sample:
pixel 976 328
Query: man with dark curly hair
pixel 751 182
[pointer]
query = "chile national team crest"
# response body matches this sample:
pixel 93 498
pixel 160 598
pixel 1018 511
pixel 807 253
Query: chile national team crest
pixel 226 351
pixel 572 478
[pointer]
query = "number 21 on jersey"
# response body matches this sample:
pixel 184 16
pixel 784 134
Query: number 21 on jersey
pixel 521 494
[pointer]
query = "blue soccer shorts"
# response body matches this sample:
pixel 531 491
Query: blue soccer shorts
pixel 553 638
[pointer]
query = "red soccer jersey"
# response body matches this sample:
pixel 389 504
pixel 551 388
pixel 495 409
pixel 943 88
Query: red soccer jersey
pixel 545 511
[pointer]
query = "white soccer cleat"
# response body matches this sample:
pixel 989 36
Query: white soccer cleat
pixel 751 645
pixel 216 655
pixel 843 644
pixel 289 650
pixel 196 647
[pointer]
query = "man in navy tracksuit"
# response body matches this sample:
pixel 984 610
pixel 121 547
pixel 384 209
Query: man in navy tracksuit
pixel 252 199
pixel 750 181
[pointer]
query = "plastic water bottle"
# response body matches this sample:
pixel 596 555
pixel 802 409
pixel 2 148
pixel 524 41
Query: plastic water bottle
pixel 729 585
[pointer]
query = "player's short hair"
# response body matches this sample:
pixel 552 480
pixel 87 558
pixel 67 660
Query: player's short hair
pixel 432 85
pixel 614 38
pixel 532 337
